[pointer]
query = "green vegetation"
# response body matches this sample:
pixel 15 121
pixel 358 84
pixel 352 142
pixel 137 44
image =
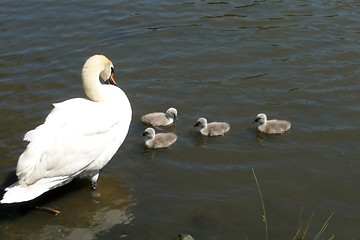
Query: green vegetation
pixel 263 206
pixel 302 230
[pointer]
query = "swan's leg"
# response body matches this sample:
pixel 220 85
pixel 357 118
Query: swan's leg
pixel 94 179
pixel 46 209
pixel 49 210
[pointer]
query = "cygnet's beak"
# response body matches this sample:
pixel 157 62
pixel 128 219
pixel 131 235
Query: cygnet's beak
pixel 143 134
pixel 176 118
pixel 256 120
pixel 197 124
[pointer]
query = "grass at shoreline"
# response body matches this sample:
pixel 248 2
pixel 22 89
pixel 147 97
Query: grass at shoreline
pixel 302 230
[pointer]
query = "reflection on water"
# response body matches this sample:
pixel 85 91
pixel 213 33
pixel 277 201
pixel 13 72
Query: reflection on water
pixel 149 153
pixel 200 139
pixel 102 221
pixel 79 218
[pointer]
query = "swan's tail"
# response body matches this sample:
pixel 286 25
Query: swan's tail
pixel 21 193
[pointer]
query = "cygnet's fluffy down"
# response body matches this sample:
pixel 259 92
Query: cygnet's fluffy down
pixel 78 137
pixel 273 126
pixel 184 237
pixel 158 119
pixel 213 128
pixel 160 140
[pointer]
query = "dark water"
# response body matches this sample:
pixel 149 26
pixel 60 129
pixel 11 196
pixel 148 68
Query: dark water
pixel 223 60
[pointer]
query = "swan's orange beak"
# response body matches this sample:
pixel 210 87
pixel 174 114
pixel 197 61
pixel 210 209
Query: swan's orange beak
pixel 112 80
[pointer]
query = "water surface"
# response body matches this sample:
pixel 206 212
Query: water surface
pixel 223 60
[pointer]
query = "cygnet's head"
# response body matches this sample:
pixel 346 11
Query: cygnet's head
pixel 202 122
pixel 261 118
pixel 184 237
pixel 171 113
pixel 149 133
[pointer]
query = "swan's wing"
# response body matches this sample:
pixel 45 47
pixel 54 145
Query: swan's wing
pixel 76 133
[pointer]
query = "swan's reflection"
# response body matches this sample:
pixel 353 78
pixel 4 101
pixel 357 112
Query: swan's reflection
pixel 149 153
pixel 200 140
pixel 102 221
pixel 82 216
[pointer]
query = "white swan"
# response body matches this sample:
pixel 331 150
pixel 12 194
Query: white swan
pixel 160 140
pixel 78 137
pixel 159 118
pixel 213 128
pixel 273 126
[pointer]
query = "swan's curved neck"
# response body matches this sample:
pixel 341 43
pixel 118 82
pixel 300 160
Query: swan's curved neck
pixel 92 86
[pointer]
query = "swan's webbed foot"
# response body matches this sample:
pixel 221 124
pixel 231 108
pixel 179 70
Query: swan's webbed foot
pixel 93 186
pixel 93 179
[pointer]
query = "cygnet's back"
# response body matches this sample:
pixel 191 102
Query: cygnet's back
pixel 160 140
pixel 273 126
pixel 157 119
pixel 213 128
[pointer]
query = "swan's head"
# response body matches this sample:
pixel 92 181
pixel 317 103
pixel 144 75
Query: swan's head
pixel 98 70
pixel 149 133
pixel 202 122
pixel 171 113
pixel 261 118
pixel 105 67
pixel 107 76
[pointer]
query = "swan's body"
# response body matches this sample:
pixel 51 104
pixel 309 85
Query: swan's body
pixel 78 137
pixel 160 140
pixel 273 126
pixel 157 119
pixel 213 128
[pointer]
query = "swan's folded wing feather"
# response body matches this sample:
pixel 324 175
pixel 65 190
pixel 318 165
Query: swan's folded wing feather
pixel 75 133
